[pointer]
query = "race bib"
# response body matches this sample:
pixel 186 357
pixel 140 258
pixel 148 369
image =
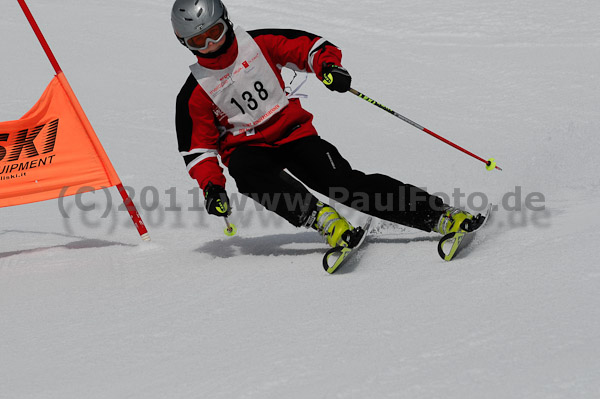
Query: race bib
pixel 247 92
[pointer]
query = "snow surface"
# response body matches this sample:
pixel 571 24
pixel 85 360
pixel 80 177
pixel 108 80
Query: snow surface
pixel 89 311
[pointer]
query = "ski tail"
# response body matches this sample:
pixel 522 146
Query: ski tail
pixel 338 254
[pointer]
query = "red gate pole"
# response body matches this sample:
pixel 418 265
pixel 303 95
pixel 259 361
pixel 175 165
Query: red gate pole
pixel 131 209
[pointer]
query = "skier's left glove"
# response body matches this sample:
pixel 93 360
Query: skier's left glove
pixel 336 78
pixel 216 201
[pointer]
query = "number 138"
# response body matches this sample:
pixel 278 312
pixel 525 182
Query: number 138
pixel 251 103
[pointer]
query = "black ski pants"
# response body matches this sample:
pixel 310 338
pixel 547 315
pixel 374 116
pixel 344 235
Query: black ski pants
pixel 259 173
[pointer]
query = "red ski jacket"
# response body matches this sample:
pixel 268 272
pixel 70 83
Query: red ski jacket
pixel 201 125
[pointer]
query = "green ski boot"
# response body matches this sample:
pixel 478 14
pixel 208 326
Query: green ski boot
pixel 452 221
pixel 332 226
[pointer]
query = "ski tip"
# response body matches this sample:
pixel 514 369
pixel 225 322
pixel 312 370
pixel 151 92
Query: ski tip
pixel 447 238
pixel 338 255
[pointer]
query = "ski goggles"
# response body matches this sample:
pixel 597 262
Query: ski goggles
pixel 212 35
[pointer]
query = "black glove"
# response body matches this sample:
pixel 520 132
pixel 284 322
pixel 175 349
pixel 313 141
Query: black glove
pixel 336 78
pixel 216 201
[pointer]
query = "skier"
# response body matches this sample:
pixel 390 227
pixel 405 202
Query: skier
pixel 233 105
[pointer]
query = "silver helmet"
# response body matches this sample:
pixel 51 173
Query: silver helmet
pixel 192 17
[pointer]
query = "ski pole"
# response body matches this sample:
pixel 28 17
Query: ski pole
pixel 230 230
pixel 490 163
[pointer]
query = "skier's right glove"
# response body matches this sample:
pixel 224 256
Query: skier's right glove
pixel 216 201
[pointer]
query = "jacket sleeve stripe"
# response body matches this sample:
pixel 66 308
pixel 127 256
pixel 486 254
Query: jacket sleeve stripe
pixel 197 151
pixel 199 159
pixel 313 52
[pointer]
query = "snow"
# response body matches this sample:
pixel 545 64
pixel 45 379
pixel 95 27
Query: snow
pixel 88 310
